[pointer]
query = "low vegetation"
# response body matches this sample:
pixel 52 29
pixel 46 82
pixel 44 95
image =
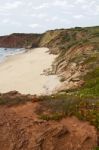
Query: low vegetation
pixel 91 87
pixel 13 99
pixel 62 105
pixel 97 148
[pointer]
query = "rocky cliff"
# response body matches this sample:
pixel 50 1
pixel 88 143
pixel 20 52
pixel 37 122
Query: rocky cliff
pixel 18 40
pixel 78 54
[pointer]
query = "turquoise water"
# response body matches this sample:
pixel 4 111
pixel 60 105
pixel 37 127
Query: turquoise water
pixel 5 52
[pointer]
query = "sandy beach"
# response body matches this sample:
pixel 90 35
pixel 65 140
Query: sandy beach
pixel 24 73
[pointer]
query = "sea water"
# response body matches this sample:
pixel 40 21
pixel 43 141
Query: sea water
pixel 5 52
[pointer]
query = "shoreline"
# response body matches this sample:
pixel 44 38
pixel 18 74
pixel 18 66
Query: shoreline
pixel 9 52
pixel 17 73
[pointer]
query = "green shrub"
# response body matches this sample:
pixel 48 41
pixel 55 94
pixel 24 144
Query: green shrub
pixel 62 105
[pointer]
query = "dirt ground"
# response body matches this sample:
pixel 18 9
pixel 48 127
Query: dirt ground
pixel 20 129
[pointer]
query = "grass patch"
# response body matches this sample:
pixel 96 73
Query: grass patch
pixel 13 100
pixel 90 60
pixel 55 117
pixel 97 148
pixel 62 105
pixel 91 87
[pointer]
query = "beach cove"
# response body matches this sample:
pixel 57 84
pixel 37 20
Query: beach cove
pixel 24 73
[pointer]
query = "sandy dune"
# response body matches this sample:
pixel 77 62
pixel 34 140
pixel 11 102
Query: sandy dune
pixel 23 72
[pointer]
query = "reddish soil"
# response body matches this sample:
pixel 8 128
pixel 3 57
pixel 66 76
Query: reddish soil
pixel 20 129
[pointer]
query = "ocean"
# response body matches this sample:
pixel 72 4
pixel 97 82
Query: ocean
pixel 5 52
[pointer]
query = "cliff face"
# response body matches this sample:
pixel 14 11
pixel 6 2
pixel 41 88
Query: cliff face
pixel 20 40
pixel 78 55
